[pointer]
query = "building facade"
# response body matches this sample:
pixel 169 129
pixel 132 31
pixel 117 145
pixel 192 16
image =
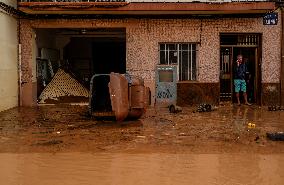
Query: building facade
pixel 202 39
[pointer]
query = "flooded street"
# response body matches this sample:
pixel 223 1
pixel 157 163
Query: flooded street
pixel 62 145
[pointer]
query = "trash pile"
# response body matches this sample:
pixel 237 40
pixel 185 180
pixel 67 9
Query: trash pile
pixel 63 87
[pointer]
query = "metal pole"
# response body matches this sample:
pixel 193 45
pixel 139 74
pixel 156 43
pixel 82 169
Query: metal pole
pixel 282 59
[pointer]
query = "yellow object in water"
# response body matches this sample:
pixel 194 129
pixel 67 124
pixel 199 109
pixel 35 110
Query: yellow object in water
pixel 251 125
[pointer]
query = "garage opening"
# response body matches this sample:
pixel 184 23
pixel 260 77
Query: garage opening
pixel 67 58
pixel 108 56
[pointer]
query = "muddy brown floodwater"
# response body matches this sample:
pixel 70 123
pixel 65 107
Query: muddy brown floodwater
pixel 62 145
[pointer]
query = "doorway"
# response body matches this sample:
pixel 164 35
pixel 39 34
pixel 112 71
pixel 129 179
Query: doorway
pixel 246 45
pixel 249 58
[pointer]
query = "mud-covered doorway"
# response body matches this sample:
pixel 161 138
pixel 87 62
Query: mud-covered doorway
pixel 109 53
pixel 247 45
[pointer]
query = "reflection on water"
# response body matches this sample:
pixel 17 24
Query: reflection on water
pixel 129 169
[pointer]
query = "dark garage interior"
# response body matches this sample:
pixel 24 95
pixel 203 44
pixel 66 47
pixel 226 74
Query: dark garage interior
pixel 80 53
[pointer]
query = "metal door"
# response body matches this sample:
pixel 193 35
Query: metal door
pixel 166 85
pixel 226 74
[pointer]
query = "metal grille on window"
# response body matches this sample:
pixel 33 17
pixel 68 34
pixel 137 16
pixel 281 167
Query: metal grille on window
pixel 183 55
pixel 248 40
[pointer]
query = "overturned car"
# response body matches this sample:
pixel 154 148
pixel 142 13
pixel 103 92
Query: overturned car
pixel 118 95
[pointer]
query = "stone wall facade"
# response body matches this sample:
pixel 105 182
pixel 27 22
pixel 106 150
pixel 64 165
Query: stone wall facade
pixel 144 35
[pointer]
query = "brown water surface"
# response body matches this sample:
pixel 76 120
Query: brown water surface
pixel 135 169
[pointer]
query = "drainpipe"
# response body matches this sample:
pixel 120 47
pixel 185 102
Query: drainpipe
pixel 282 59
pixel 19 60
pixel 20 74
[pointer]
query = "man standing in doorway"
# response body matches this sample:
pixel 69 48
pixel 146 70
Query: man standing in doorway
pixel 240 71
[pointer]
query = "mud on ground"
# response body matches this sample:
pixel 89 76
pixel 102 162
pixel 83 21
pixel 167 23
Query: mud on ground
pixel 66 128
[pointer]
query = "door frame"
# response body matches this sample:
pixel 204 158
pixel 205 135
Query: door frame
pixel 257 66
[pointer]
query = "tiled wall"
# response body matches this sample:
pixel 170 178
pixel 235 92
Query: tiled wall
pixel 144 35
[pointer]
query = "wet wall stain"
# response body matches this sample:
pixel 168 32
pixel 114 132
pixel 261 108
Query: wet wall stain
pixel 196 93
pixel 270 94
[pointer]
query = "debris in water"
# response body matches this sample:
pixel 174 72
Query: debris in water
pixel 204 108
pixel 164 120
pixel 141 137
pixel 175 109
pixel 251 125
pixel 51 142
pixel 274 108
pixel 277 136
pixel 256 138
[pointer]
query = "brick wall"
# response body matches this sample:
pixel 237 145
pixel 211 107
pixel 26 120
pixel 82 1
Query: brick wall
pixel 28 97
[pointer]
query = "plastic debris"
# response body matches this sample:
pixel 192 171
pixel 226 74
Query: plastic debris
pixel 251 125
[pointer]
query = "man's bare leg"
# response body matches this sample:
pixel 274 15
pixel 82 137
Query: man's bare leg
pixel 246 98
pixel 238 98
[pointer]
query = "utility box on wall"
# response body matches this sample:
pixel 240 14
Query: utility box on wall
pixel 166 85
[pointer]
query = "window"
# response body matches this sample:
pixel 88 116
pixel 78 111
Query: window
pixel 183 55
